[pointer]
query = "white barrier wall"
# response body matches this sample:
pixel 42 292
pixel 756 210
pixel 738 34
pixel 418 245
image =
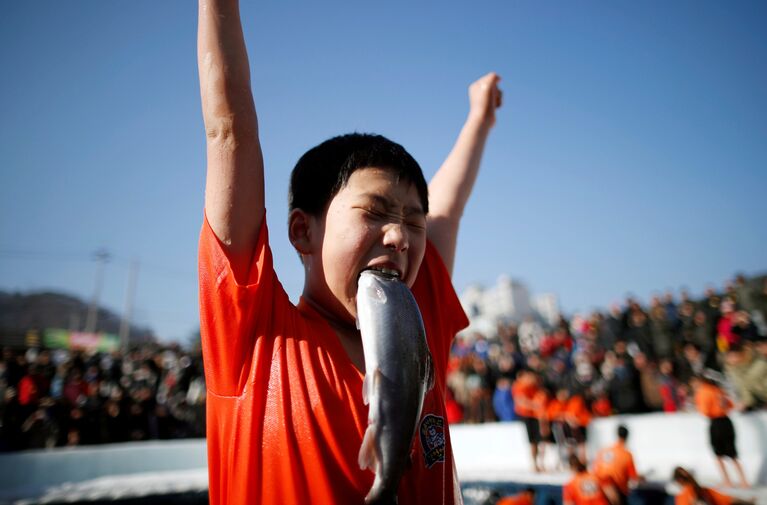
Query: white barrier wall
pixel 659 442
pixel 31 473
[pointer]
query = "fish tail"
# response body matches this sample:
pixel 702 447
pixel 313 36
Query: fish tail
pixel 378 495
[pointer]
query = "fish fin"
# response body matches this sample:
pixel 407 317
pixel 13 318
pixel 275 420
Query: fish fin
pixel 367 457
pixel 368 385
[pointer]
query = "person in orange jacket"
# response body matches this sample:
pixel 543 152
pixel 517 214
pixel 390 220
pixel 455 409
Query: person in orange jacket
pixel 712 402
pixel 523 391
pixel 614 466
pixel 584 488
pixel 693 493
pixel 526 497
pixel 555 413
pixel 578 416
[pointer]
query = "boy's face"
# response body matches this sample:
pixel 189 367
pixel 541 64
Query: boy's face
pixel 374 221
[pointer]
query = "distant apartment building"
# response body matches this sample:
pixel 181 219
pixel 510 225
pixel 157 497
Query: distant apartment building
pixel 507 301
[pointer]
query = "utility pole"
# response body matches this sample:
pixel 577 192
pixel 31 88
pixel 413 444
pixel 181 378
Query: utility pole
pixel 101 257
pixel 128 308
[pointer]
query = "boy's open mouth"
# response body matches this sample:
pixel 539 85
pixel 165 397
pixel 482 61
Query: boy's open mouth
pixel 386 272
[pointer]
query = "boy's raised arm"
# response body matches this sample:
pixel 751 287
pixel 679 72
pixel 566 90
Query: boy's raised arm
pixel 451 186
pixel 234 190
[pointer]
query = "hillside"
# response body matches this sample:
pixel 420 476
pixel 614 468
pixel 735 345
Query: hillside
pixel 23 312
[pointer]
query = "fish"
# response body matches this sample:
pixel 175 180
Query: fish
pixel 398 374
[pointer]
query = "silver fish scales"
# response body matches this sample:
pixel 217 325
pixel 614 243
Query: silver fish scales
pixel 398 373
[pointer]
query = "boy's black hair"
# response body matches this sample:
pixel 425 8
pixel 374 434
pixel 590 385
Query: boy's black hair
pixel 576 463
pixel 623 432
pixel 323 170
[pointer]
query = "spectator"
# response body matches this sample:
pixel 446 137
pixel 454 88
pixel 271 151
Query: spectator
pixel 685 329
pixel 114 427
pixel 725 337
pixel 503 403
pixel 702 335
pixel 577 419
pixel 748 374
pixel 661 327
pixel 611 328
pixel 75 389
pixel 650 382
pixel 669 387
pixel 624 386
pixel 12 418
pixel 744 329
pixel 639 332
pixel 40 428
pixel 479 383
pixel 523 391
pixel 30 387
pixel 80 398
pixel 530 335
pixel 712 402
pixel 691 363
pixel 744 295
pixel 601 406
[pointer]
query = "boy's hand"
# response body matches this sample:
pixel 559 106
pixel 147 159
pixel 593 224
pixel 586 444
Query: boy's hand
pixel 484 98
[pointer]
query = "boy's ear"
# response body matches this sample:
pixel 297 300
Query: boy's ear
pixel 300 231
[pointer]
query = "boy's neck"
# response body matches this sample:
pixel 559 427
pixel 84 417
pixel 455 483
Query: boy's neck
pixel 347 333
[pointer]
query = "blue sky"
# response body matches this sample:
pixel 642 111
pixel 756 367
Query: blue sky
pixel 630 154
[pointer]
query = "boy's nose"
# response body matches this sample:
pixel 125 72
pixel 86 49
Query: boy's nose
pixel 396 237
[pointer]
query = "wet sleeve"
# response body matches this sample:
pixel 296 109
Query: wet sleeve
pixel 233 309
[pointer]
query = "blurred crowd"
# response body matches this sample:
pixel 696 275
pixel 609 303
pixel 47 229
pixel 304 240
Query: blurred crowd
pixel 633 359
pixel 55 398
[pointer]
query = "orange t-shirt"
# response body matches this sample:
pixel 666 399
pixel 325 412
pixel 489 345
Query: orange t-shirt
pixel 517 499
pixel 576 410
pixel 285 415
pixel 523 391
pixel 687 497
pixel 583 489
pixel 555 410
pixel 616 465
pixel 711 401
pixel 540 403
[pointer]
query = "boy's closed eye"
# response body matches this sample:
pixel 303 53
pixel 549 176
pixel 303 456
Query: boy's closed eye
pixel 413 219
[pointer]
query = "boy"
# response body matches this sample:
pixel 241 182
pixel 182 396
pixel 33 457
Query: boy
pixel 285 410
